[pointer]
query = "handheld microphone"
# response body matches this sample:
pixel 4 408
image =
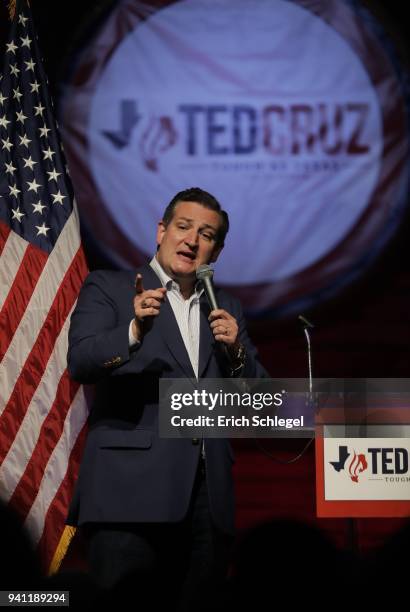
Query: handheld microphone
pixel 204 273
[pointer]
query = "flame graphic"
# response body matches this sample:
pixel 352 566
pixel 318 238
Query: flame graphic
pixel 357 465
pixel 159 136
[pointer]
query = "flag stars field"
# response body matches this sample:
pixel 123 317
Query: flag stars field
pixel 48 153
pixel 53 175
pixel 7 144
pixel 24 141
pixel 20 116
pixel 17 214
pixel 14 70
pixel 44 131
pixel 10 169
pixel 42 230
pixel 14 191
pixel 17 94
pixel 33 185
pixel 11 47
pixel 4 121
pixel 58 197
pixel 28 162
pixel 39 109
pixel 26 42
pixel 30 65
pixel 38 207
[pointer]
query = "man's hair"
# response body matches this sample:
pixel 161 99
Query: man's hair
pixel 199 196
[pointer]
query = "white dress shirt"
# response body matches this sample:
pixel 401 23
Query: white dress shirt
pixel 186 311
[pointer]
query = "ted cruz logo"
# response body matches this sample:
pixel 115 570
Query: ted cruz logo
pixel 380 462
pixel 276 130
pixel 159 133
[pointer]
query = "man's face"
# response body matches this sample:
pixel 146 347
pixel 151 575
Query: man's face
pixel 188 240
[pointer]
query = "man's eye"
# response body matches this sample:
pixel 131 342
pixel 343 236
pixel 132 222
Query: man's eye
pixel 209 236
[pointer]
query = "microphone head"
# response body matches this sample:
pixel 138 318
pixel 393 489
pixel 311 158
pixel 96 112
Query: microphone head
pixel 305 321
pixel 204 271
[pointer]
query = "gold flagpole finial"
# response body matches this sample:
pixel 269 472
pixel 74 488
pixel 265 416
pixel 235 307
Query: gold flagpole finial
pixel 11 8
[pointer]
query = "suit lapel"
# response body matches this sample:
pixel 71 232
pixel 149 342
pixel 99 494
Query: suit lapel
pixel 167 325
pixel 169 330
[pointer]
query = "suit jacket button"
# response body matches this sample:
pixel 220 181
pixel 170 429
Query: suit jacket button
pixel 195 441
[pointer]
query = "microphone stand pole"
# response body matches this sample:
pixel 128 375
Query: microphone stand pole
pixel 307 325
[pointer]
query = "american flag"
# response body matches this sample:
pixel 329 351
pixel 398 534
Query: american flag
pixel 42 267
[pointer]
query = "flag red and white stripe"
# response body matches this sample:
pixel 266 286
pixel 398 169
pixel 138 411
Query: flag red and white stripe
pixel 42 267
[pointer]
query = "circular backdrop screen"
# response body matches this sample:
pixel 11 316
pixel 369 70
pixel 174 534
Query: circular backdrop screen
pixel 290 113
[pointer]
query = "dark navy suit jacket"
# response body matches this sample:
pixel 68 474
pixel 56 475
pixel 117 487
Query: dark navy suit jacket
pixel 128 473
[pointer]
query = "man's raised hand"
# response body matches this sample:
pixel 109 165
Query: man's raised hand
pixel 147 303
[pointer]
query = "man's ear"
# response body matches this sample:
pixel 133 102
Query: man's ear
pixel 160 232
pixel 215 253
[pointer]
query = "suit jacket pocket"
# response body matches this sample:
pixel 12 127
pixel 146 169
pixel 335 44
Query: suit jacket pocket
pixel 134 438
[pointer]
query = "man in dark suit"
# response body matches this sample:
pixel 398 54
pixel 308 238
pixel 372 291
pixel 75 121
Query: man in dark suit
pixel 148 502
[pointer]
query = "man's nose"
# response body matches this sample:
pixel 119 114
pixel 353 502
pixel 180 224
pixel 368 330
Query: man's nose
pixel 192 238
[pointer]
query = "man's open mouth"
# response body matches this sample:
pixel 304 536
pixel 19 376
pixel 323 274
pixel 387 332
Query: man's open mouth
pixel 187 254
